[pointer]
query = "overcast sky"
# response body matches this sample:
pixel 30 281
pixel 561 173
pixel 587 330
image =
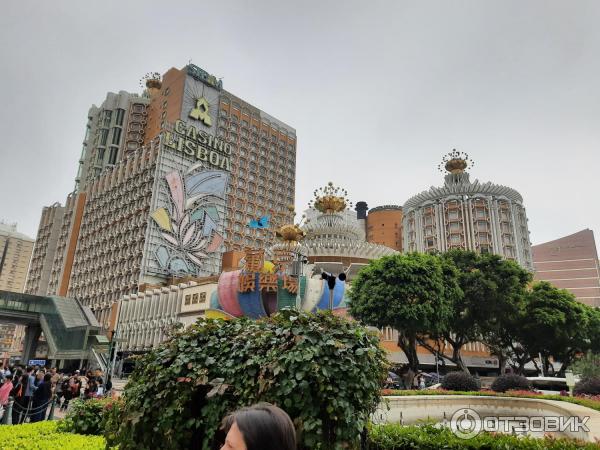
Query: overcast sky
pixel 378 92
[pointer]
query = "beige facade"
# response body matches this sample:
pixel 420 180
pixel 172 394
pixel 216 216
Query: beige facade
pixel 44 251
pixel 571 263
pixel 145 318
pixel 15 255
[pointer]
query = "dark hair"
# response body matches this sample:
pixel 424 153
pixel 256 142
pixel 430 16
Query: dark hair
pixel 47 377
pixel 264 427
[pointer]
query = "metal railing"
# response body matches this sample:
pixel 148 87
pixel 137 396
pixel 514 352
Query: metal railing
pixel 21 414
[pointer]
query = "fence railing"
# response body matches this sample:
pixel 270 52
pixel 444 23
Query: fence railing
pixel 14 412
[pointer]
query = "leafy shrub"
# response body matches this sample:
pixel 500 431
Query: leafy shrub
pixel 325 371
pixel 85 416
pixel 460 381
pixel 588 386
pixel 510 381
pixel 587 366
pixel 46 436
pixel 397 437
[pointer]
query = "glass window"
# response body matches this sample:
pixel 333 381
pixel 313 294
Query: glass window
pixel 195 299
pixel 112 158
pixel 119 117
pixel 187 299
pixel 103 136
pixel 107 116
pixel 116 138
pixel 100 154
pixel 202 297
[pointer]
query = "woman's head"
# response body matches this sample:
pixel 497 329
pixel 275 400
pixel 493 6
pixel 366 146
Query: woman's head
pixel 47 377
pixel 259 427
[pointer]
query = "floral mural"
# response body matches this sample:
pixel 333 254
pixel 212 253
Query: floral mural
pixel 189 226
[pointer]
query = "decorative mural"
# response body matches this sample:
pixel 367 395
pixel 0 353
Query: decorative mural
pixel 190 225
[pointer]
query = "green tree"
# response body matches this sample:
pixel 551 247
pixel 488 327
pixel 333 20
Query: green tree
pixel 411 293
pixel 490 287
pixel 554 324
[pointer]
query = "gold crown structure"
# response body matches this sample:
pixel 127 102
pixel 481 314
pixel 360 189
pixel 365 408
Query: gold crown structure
pixel 290 233
pixel 151 81
pixel 456 162
pixel 330 199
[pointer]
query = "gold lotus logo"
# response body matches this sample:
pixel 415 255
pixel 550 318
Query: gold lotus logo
pixel 200 111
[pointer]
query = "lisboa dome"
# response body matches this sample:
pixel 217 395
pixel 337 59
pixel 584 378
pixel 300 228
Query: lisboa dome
pixel 484 217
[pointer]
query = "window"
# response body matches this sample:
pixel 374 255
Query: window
pixel 112 157
pixel 116 138
pixel 119 117
pixel 187 299
pixel 103 136
pixel 100 155
pixel 195 299
pixel 453 215
pixel 167 91
pixel 107 116
pixel 202 297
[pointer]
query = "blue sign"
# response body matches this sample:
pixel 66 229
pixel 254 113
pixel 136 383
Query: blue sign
pixel 37 362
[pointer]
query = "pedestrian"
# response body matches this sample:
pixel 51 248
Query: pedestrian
pixel 41 399
pixel 29 390
pixel 109 385
pixel 421 382
pixel 18 393
pixel 5 391
pixel 67 393
pixel 259 427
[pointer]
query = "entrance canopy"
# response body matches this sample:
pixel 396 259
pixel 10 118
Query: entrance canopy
pixel 70 329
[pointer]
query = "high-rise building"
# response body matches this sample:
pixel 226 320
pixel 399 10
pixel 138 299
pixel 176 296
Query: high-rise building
pixel 571 263
pixel 15 255
pixel 167 181
pixel 482 217
pixel 112 130
pixel 44 251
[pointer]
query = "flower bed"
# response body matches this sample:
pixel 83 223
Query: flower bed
pixel 589 402
pixel 398 437
pixel 46 436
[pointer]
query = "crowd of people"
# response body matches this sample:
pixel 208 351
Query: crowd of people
pixel 33 388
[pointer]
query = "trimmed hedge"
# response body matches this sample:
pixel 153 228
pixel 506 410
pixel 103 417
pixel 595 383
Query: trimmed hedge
pixel 460 381
pixel 509 382
pixel 46 436
pixel 398 437
pixel 587 386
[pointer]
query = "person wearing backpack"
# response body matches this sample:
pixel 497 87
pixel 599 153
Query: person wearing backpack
pixel 21 402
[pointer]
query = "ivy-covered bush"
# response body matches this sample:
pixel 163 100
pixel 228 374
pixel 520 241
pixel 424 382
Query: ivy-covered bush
pixel 397 437
pixel 325 371
pixel 588 386
pixel 85 416
pixel 510 381
pixel 460 381
pixel 46 436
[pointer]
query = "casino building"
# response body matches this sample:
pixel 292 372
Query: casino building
pixel 167 181
pixel 470 215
